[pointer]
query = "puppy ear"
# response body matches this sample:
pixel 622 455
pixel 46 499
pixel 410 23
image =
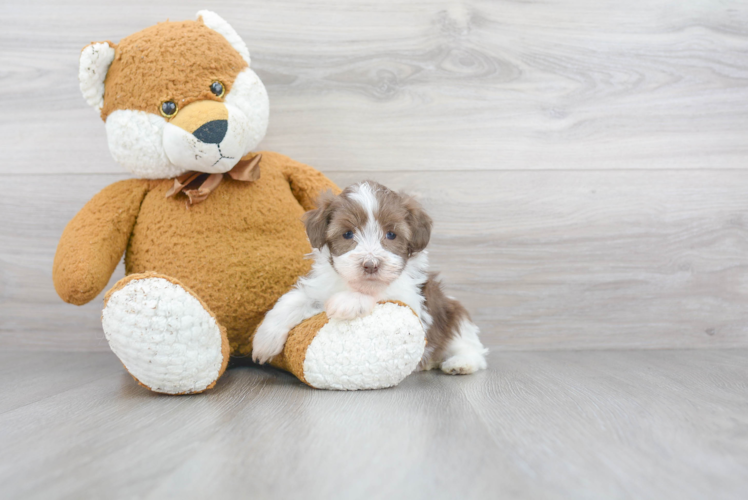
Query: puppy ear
pixel 94 64
pixel 420 225
pixel 317 220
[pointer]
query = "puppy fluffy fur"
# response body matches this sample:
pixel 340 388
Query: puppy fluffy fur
pixel 369 245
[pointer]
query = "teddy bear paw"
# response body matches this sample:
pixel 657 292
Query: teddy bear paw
pixel 371 352
pixel 163 335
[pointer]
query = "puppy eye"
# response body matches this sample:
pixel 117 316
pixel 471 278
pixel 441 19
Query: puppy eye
pixel 168 109
pixel 390 235
pixel 217 88
pixel 348 235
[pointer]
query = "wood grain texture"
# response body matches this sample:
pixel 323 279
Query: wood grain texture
pixel 543 260
pixel 605 424
pixel 584 161
pixel 420 85
pixel 585 166
pixel 29 377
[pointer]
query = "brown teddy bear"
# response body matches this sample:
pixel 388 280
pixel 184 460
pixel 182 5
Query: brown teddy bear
pixel 211 232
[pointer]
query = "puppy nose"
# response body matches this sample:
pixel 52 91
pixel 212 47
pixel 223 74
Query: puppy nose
pixel 370 267
pixel 212 132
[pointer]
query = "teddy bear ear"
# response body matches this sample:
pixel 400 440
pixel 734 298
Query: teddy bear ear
pixel 217 23
pixel 94 64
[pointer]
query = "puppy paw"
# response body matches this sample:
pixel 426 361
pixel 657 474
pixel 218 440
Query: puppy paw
pixel 461 364
pixel 267 343
pixel 349 305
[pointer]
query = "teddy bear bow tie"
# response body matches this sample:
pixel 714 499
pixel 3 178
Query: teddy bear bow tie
pixel 198 185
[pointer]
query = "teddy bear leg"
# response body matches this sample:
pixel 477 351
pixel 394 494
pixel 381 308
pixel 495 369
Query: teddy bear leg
pixel 166 337
pixel 373 352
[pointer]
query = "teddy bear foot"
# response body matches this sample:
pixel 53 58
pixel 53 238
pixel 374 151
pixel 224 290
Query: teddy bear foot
pixel 372 352
pixel 168 340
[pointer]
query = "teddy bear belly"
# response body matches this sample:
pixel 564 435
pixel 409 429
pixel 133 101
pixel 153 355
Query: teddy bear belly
pixel 238 251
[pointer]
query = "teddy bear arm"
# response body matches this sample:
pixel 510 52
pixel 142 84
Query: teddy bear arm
pixel 306 182
pixel 95 239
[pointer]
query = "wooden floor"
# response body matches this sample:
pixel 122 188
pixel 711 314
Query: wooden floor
pixel 563 424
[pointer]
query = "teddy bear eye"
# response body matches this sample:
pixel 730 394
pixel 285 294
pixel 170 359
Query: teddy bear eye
pixel 390 235
pixel 168 109
pixel 217 88
pixel 348 235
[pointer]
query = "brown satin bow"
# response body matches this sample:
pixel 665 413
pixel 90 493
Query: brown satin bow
pixel 198 185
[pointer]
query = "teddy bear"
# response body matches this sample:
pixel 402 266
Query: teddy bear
pixel 210 230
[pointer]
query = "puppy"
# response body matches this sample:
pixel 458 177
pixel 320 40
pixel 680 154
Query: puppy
pixel 368 245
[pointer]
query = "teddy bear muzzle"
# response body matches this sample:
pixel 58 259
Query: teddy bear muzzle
pixel 207 136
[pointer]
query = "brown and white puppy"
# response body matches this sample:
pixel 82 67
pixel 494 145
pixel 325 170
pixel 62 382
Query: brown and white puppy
pixel 369 245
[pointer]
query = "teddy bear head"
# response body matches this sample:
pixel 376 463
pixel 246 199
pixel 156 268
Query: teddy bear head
pixel 176 97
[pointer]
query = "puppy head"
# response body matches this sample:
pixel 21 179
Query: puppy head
pixel 371 232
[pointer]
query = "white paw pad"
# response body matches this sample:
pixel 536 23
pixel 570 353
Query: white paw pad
pixel 462 365
pixel 164 336
pixel 372 352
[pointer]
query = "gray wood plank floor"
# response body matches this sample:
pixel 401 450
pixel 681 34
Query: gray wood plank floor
pixel 557 424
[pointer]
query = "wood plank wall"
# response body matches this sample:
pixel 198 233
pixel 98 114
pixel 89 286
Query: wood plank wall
pixel 584 161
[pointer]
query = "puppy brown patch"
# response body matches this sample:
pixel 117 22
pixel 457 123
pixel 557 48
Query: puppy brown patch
pixel 347 216
pixel 446 314
pixel 404 216
pixel 317 220
pixel 335 216
pixel 393 217
pixel 420 224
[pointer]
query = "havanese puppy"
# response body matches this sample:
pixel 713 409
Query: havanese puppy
pixel 369 245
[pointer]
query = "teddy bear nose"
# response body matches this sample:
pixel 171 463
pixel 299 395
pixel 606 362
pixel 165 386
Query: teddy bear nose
pixel 212 132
